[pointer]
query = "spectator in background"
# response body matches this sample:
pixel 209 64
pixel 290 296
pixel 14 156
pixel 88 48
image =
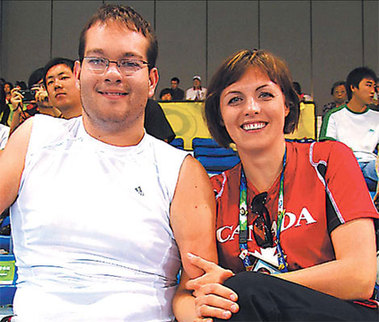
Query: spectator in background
pixel 176 92
pixel 8 86
pixel 196 92
pixel 165 95
pixel 302 96
pixel 24 107
pixel 60 83
pixel 355 124
pixel 4 108
pixel 21 85
pixel 338 92
pixel 375 104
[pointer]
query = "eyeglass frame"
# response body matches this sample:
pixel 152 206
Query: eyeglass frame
pixel 117 62
pixel 262 214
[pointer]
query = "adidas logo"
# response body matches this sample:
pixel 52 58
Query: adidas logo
pixel 139 191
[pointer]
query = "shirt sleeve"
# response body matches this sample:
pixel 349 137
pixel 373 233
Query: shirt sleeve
pixel 347 195
pixel 328 128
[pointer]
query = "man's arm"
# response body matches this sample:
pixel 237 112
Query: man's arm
pixel 12 161
pixel 193 222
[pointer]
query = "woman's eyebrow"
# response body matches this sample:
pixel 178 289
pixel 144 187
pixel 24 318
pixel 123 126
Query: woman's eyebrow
pixel 262 86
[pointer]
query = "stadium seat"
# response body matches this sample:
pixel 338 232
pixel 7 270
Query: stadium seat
pixel 5 242
pixel 178 143
pixel 8 276
pixel 214 158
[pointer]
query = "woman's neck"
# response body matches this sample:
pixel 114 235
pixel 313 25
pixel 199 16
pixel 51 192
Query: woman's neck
pixel 263 167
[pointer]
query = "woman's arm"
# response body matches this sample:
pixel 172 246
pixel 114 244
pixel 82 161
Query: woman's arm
pixel 352 274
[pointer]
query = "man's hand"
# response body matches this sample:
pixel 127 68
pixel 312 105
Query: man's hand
pixel 212 298
pixel 41 96
pixel 16 99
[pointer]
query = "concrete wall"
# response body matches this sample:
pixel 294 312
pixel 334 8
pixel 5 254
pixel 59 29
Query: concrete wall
pixel 321 40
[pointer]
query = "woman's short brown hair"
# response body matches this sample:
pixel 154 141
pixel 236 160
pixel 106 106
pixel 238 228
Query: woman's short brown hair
pixel 231 71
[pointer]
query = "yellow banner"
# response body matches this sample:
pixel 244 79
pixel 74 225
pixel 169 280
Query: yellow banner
pixel 307 126
pixel 186 119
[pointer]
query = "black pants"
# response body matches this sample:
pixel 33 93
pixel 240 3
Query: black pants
pixel 267 298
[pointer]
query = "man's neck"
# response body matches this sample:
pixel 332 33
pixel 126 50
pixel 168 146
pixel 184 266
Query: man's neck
pixel 114 134
pixel 72 112
pixel 51 111
pixel 356 106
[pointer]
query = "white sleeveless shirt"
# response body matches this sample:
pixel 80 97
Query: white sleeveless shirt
pixel 91 227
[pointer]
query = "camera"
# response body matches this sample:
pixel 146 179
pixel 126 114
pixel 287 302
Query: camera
pixel 29 95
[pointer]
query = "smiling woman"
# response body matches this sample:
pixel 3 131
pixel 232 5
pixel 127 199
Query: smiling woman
pixel 283 210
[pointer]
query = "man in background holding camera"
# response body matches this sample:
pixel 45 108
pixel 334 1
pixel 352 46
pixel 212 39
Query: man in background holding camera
pixel 52 91
pixel 26 103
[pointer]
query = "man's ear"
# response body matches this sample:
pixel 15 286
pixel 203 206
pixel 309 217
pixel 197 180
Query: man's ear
pixel 153 80
pixel 77 71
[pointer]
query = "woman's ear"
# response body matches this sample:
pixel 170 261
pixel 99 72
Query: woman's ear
pixel 286 110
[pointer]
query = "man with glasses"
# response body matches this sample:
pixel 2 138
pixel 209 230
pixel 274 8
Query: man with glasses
pixel 103 214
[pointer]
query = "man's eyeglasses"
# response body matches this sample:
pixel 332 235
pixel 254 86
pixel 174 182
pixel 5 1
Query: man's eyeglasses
pixel 126 67
pixel 262 224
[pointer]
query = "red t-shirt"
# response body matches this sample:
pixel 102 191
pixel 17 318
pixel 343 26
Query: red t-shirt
pixel 323 188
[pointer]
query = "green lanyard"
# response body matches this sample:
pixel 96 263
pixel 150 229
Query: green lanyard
pixel 243 212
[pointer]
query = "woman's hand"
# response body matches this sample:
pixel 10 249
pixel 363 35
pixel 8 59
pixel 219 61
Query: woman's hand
pixel 212 299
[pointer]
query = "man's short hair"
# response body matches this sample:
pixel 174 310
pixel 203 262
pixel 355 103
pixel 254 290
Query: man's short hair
pixel 35 77
pixel 131 19
pixel 164 92
pixel 175 79
pixel 336 84
pixel 356 76
pixel 10 85
pixel 57 61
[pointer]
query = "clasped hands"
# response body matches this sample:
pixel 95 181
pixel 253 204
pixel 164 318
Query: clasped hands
pixel 212 299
